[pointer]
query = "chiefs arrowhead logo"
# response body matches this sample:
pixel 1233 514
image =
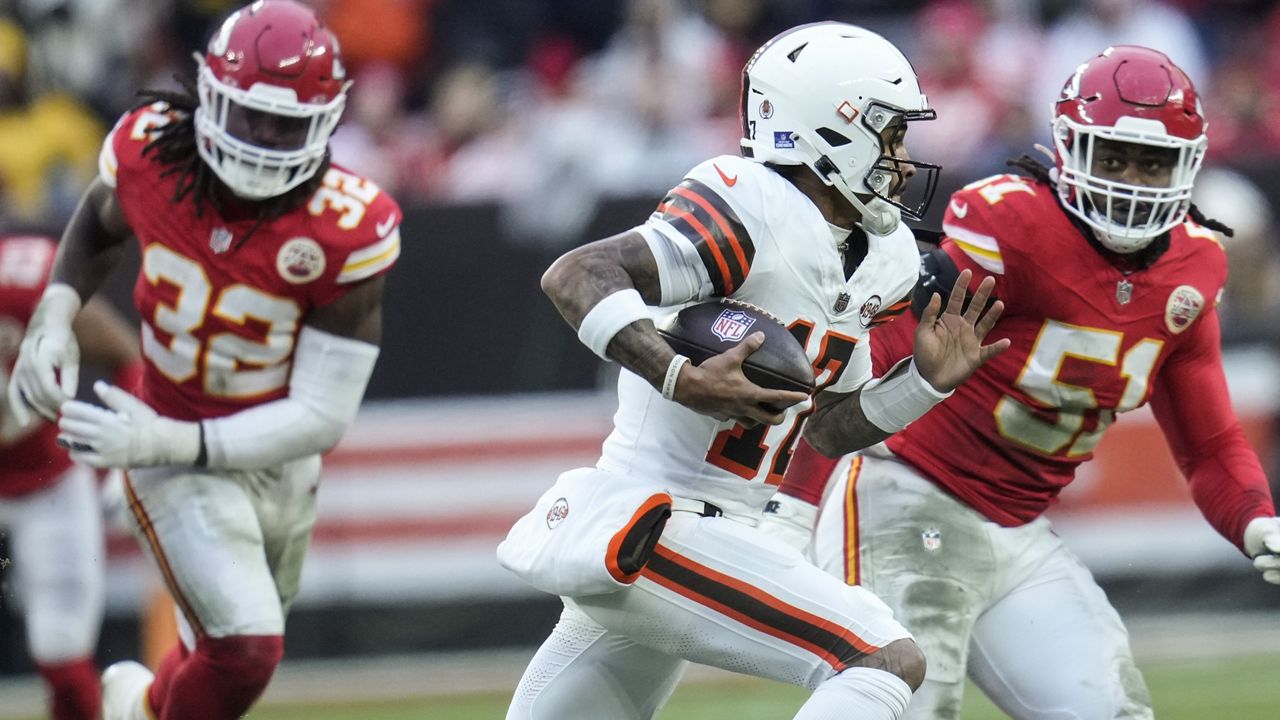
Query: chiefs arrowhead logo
pixel 730 181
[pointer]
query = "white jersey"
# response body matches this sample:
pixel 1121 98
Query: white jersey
pixel 735 228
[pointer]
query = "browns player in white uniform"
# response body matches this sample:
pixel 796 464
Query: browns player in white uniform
pixel 654 549
pixel 49 507
pixel 1111 277
pixel 260 294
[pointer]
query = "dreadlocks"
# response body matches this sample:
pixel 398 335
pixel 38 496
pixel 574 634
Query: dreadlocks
pixel 174 145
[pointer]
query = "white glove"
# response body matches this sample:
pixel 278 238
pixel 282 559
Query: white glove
pixel 790 519
pixel 11 431
pixel 125 434
pixel 48 367
pixel 1262 543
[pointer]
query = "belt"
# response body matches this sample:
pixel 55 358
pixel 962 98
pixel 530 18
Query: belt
pixel 697 507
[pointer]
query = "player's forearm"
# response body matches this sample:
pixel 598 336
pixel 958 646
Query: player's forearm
pixel 580 280
pixel 1229 486
pixel 329 377
pixel 840 426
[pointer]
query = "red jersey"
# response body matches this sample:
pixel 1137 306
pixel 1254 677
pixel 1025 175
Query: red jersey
pixel 221 313
pixel 1089 342
pixel 29 459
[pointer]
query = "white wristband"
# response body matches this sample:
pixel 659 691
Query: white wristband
pixel 610 315
pixel 673 374
pixel 898 398
pixel 59 302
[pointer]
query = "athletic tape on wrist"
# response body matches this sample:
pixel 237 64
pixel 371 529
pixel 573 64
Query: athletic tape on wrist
pixel 610 315
pixel 673 374
pixel 898 398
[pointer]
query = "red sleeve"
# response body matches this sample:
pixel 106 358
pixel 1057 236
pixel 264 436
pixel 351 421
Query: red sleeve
pixel 1193 407
pixel 808 473
pixel 892 341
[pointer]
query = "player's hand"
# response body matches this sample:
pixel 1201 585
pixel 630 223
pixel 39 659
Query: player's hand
pixel 48 368
pixel 948 345
pixel 127 433
pixel 1262 543
pixel 718 388
pixel 790 520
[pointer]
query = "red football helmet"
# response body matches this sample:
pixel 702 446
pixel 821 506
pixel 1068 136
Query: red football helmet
pixel 1134 95
pixel 272 88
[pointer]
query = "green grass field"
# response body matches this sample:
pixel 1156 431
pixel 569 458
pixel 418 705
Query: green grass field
pixel 1240 689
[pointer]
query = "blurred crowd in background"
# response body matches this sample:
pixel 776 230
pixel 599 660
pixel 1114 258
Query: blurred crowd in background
pixel 546 107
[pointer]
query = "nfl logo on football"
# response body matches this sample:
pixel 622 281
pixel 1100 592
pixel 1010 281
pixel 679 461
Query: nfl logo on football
pixel 732 325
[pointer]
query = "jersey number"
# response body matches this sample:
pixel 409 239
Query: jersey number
pixel 1028 426
pixel 742 450
pixel 233 366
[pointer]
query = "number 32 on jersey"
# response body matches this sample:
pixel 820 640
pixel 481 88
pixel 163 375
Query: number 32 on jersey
pixel 234 365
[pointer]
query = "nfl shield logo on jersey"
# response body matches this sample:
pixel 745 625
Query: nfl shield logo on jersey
pixel 932 539
pixel 1184 306
pixel 220 240
pixel 732 325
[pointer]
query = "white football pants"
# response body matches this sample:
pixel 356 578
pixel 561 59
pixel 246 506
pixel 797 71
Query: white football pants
pixel 1012 606
pixel 718 592
pixel 229 544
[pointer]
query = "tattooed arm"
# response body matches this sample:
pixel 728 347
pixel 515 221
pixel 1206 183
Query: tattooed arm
pixel 582 277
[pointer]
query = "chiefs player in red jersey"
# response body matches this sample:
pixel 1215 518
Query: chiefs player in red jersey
pixel 1110 279
pixel 49 507
pixel 260 294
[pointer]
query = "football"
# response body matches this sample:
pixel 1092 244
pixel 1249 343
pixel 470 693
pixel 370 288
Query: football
pixel 709 328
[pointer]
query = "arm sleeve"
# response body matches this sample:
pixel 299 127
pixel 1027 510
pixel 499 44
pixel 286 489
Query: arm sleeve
pixel 707 216
pixel 329 377
pixel 808 473
pixel 892 342
pixel 1193 407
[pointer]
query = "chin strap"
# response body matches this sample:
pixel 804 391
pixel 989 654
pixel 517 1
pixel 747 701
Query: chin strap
pixel 879 217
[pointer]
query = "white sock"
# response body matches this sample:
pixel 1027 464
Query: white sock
pixel 862 693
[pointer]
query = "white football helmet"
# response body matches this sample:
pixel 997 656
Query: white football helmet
pixel 820 95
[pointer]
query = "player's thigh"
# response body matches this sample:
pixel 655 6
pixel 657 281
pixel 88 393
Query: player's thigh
pixel 1054 648
pixel 58 547
pixel 202 530
pixel 585 672
pixel 286 501
pixel 722 593
pixel 928 556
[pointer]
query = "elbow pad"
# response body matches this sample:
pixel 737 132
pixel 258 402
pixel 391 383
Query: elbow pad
pixel 329 377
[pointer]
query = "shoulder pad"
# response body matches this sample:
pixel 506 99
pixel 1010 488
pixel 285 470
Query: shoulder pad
pixel 355 219
pixel 708 208
pixel 981 213
pixel 123 146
